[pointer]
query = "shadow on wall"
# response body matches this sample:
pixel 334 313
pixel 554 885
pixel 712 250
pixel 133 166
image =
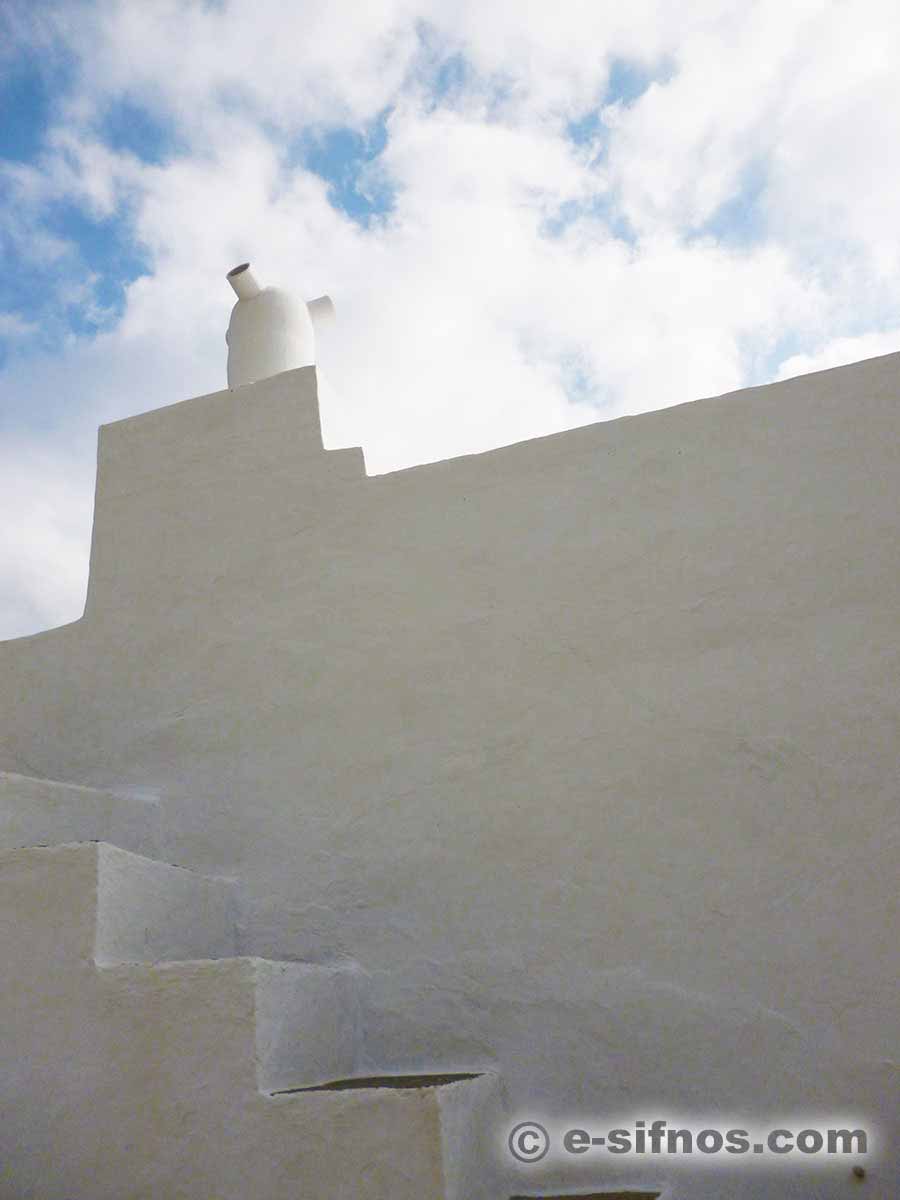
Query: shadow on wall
pixel 595 1196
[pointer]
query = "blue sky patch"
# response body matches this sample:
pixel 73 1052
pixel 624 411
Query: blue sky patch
pixel 78 292
pixel 740 220
pixel 25 103
pixel 627 82
pixel 598 208
pixel 343 158
pixel 128 128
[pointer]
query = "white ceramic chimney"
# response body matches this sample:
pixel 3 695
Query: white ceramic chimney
pixel 270 330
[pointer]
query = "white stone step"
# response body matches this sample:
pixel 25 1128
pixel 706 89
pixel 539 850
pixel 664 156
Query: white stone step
pixel 266 1026
pixel 94 902
pixel 148 911
pixel 138 1078
pixel 307 1024
pixel 44 812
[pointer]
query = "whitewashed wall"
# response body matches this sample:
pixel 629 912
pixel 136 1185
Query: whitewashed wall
pixel 585 748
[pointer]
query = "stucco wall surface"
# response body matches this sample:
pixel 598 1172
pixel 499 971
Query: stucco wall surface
pixel 585 749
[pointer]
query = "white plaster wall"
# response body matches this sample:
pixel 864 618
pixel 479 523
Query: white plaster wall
pixel 586 748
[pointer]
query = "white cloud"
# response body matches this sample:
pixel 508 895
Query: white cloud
pixel 834 177
pixel 839 351
pixel 13 326
pixel 292 64
pixel 464 321
pixel 43 538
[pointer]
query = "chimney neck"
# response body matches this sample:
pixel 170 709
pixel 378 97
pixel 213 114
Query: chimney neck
pixel 242 280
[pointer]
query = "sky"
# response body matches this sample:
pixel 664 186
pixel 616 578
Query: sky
pixel 531 216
